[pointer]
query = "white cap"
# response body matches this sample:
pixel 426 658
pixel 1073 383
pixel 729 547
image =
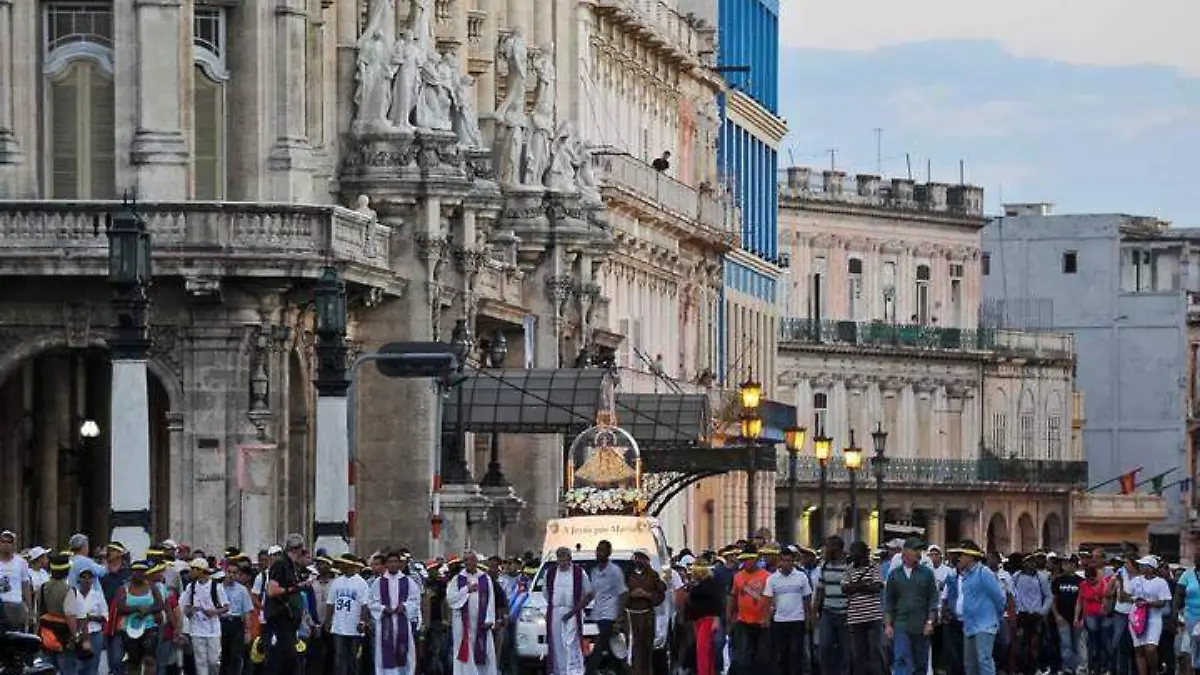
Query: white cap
pixel 895 543
pixel 933 547
pixel 36 552
pixel 275 549
pixel 1148 561
pixel 199 564
pixel 169 543
pixel 687 560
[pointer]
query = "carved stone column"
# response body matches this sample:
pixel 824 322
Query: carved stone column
pixel 10 149
pixel 160 149
pixel 926 447
pixel 956 394
pixel 291 154
pixel 936 530
pixel 891 389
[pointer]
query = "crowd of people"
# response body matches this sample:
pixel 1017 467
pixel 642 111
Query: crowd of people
pixel 752 608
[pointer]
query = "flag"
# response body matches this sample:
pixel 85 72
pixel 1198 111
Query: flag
pixel 1129 481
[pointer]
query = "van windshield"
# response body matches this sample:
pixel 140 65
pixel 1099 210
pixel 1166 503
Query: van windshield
pixel 587 565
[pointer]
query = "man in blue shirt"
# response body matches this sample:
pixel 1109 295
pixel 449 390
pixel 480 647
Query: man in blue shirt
pixel 977 600
pixel 81 559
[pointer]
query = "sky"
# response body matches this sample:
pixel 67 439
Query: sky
pixel 1096 111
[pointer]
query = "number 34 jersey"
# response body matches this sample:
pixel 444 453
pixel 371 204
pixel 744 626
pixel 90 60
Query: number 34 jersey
pixel 346 594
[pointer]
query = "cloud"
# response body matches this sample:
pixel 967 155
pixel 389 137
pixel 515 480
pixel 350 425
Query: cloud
pixel 930 109
pixel 1096 32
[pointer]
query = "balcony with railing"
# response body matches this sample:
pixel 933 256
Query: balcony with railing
pixel 882 335
pixel 705 211
pixel 946 473
pixel 66 238
pixel 679 35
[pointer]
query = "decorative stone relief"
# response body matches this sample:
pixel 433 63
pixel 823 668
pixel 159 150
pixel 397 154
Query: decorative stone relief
pixel 166 347
pixel 510 115
pixel 77 319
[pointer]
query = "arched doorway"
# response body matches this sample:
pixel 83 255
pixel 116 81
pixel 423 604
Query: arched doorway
pixel 1027 532
pixel 1052 532
pixel 997 534
pixel 54 450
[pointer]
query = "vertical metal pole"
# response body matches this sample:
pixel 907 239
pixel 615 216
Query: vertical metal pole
pixel 790 532
pixel 751 497
pixel 853 507
pixel 824 520
pixel 879 506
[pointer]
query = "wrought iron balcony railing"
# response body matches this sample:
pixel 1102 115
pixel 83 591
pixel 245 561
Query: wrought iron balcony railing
pixel 884 335
pixel 949 473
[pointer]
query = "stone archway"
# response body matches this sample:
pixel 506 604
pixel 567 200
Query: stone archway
pixel 54 468
pixel 1027 533
pixel 997 534
pixel 1052 532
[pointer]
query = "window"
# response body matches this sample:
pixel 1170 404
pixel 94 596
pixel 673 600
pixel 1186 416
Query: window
pixel 1028 434
pixel 1070 262
pixel 999 433
pixel 922 315
pixel 820 412
pixel 1054 437
pixel 1140 270
pixel 956 301
pixel 985 263
pixel 80 122
pixel 854 269
pixel 817 291
pixel 889 291
pixel 208 101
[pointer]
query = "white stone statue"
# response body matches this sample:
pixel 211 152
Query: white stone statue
pixel 363 206
pixel 466 122
pixel 513 51
pixel 433 104
pixel 510 144
pixel 374 70
pixel 585 175
pixel 561 176
pixel 407 58
pixel 541 120
pixel 419 24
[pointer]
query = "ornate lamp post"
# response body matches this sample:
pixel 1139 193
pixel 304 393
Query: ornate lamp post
pixel 332 507
pixel 823 450
pixel 454 453
pixel 879 466
pixel 794 440
pixel 750 394
pixel 853 456
pixel 497 353
pixel 129 274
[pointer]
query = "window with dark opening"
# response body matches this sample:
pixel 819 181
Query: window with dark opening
pixel 1070 262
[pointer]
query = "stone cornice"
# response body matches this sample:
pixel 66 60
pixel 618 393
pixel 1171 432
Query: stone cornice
pixel 869 212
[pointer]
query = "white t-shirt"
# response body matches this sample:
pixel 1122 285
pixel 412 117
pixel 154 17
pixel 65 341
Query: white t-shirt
pixel 1150 590
pixel 347 596
pixel 38 577
pixel 1124 607
pixel 199 595
pixel 14 574
pixel 790 592
pixel 942 574
pixel 93 604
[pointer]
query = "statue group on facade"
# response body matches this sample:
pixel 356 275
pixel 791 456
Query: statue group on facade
pixel 405 85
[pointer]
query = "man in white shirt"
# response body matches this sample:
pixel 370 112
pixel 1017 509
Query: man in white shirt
pixel 347 614
pixel 203 602
pixel 16 589
pixel 790 593
pixel 39 562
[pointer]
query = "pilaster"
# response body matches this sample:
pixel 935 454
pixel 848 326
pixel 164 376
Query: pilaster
pixel 159 152
pixel 290 159
pixel 10 149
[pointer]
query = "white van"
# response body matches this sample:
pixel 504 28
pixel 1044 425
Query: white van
pixel 581 534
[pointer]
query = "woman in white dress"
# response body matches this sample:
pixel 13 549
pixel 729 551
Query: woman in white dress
pixel 1152 592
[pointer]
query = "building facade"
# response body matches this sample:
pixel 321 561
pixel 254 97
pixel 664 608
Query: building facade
pixel 263 143
pixel 881 334
pixel 1123 286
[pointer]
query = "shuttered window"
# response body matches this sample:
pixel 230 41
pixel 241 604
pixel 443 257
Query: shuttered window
pixel 82 163
pixel 209 140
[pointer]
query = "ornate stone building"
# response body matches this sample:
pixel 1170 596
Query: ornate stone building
pixel 883 333
pixel 478 161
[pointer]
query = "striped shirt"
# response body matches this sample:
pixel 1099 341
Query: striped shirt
pixel 829 580
pixel 863 607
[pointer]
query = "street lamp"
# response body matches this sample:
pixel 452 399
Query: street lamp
pixel 330 300
pixel 793 438
pixel 497 353
pixel 752 428
pixel 879 465
pixel 454 457
pixel 823 450
pixel 89 429
pixel 750 394
pixel 853 456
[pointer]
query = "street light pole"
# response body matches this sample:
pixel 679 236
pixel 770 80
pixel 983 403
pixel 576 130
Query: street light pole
pixel 794 439
pixel 129 274
pixel 497 353
pixel 853 457
pixel 879 465
pixel 823 449
pixel 752 427
pixel 332 504
pixel 454 452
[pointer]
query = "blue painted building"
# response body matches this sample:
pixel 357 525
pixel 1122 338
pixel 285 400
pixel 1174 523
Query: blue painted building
pixel 751 133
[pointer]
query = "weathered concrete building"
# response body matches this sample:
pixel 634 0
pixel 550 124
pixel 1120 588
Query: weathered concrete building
pixel 882 333
pixel 1124 286
pixel 483 162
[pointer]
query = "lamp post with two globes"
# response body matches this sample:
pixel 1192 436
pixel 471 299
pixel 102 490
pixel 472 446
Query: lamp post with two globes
pixel 750 394
pixel 853 457
pixel 794 440
pixel 823 450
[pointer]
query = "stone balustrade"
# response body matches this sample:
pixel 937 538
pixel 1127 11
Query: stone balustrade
pixel 60 238
pixel 700 208
pixel 665 27
pixel 1111 508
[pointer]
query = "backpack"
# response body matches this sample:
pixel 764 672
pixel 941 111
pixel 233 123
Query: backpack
pixel 212 589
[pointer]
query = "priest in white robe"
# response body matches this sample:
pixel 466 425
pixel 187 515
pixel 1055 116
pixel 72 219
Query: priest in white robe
pixel 395 603
pixel 472 598
pixel 568 590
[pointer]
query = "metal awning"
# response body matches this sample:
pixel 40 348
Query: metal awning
pixel 660 421
pixel 519 401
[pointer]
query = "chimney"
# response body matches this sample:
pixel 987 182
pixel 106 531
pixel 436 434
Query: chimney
pixel 797 177
pixel 868 185
pixel 902 192
pixel 834 182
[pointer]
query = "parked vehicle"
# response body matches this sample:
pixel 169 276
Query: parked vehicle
pixel 20 654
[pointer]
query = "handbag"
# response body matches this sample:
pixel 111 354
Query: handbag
pixel 1139 620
